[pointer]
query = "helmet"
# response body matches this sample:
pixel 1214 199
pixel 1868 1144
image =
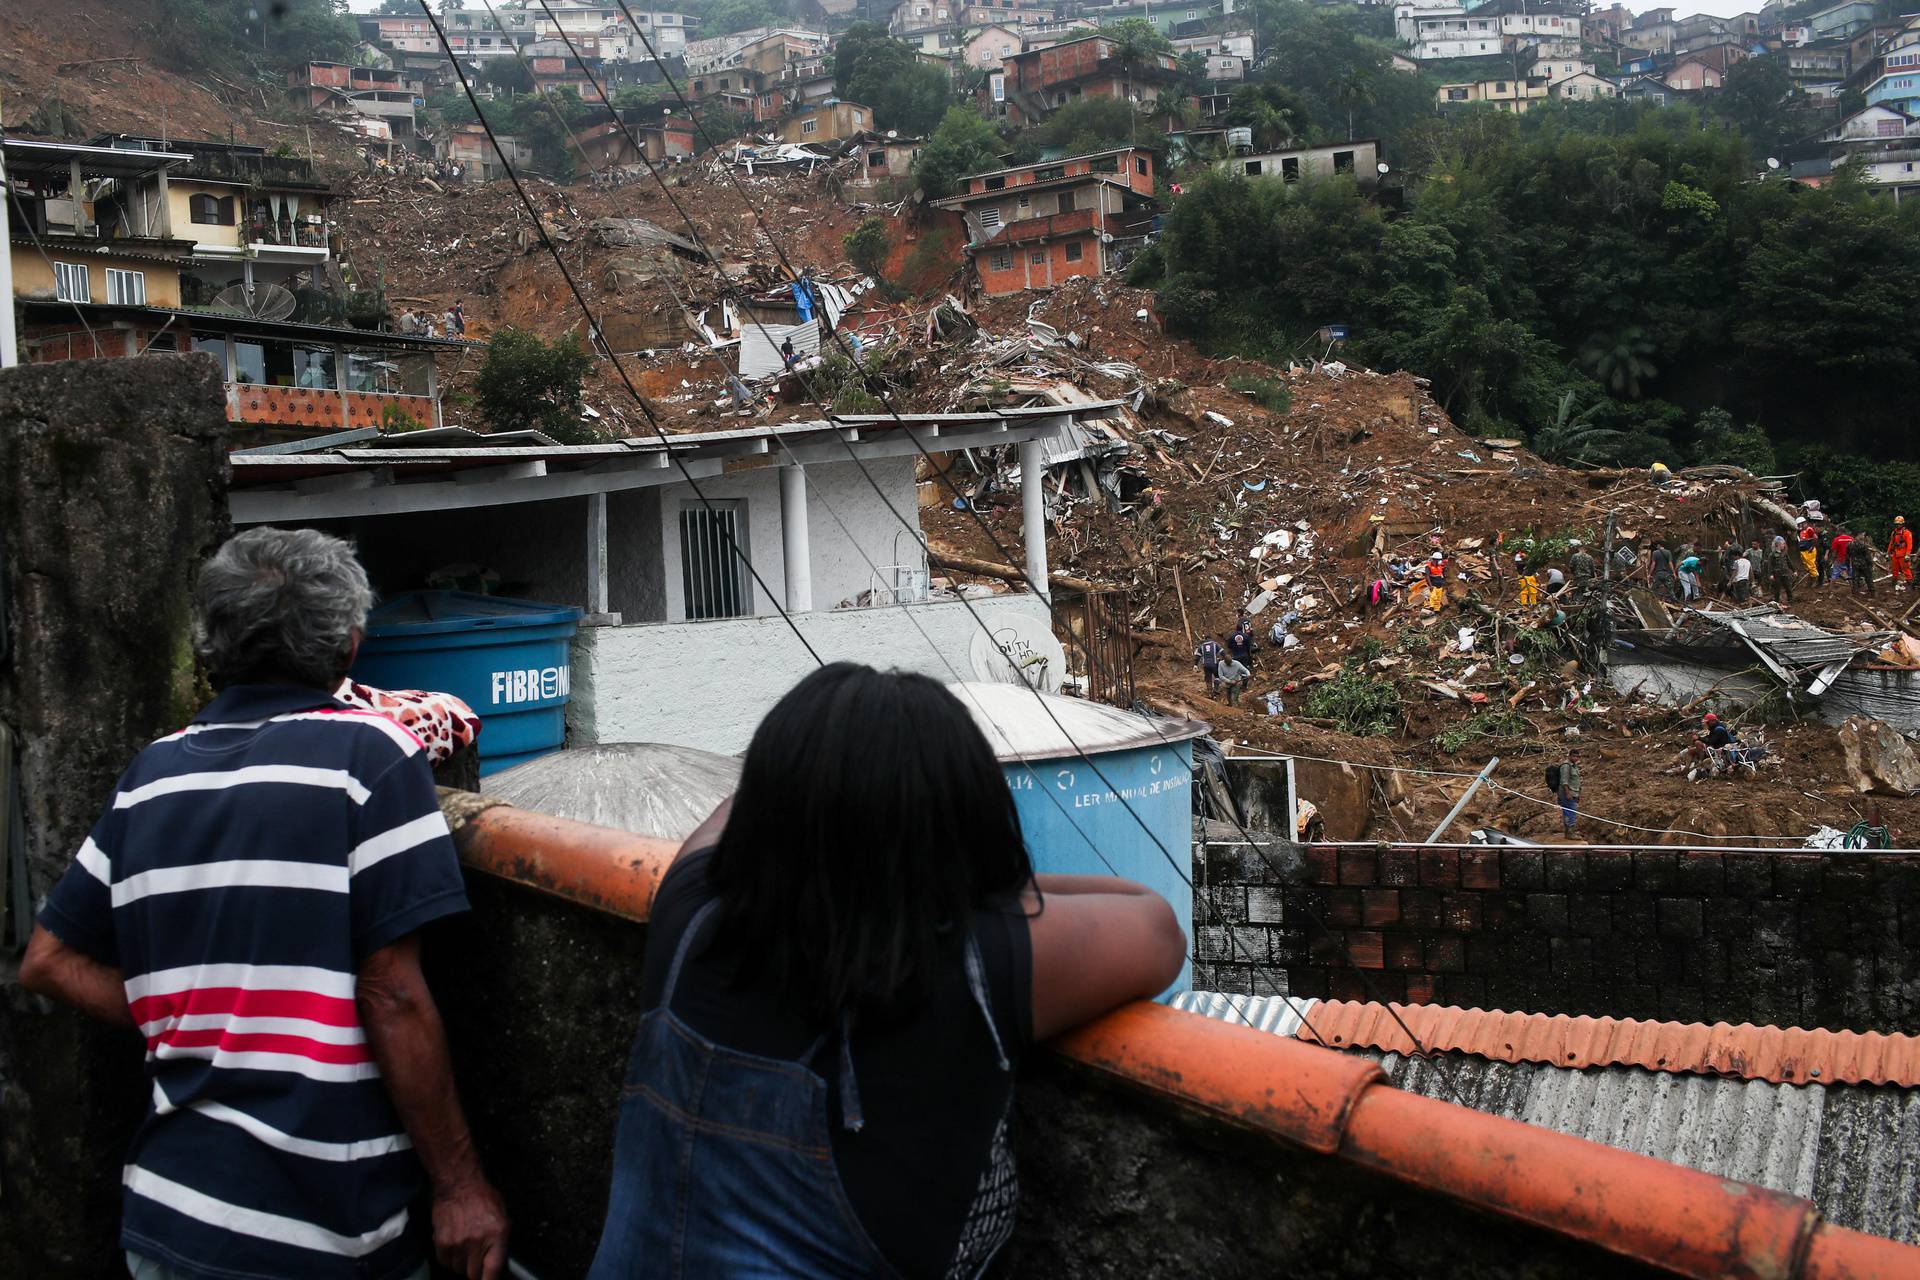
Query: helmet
pixel 1710 718
pixel 1573 542
pixel 1899 519
pixel 1436 556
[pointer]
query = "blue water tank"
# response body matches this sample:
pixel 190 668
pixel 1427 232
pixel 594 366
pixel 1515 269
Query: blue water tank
pixel 510 660
pixel 1100 791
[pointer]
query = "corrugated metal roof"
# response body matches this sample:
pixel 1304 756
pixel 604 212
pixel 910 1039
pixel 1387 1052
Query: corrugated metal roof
pixel 1019 727
pixel 1795 1055
pixel 1852 1149
pixel 1790 640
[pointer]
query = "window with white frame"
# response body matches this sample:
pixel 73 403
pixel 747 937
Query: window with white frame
pixel 809 126
pixel 70 282
pixel 1003 260
pixel 712 550
pixel 126 288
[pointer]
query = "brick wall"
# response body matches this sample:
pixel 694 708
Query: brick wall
pixel 1804 939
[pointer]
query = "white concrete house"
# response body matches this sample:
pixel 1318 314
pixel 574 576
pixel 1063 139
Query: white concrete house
pixel 683 643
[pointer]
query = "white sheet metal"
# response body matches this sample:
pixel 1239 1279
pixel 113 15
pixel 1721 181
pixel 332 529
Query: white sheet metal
pixel 760 346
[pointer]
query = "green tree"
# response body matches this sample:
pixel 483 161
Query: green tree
pixel 1136 46
pixel 527 383
pixel 867 247
pixel 964 143
pixel 507 74
pixel 1622 360
pixel 1758 99
pixel 872 68
pixel 1354 88
pixel 1572 437
pixel 1274 113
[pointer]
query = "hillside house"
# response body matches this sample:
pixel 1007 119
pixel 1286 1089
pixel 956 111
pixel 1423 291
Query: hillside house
pixel 1584 86
pixel 1692 73
pixel 617 530
pixel 1843 19
pixel 1898 89
pixel 1013 13
pixel 467 145
pixel 1513 96
pixel 1031 226
pixel 1032 85
pixel 1359 159
pixel 475 35
pixel 253 218
pixel 1551 69
pixel 384 95
pixel 991 45
pixel 886 157
pixel 830 121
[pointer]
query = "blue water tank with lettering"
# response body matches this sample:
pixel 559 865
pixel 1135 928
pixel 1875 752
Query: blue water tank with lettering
pixel 1100 790
pixel 510 660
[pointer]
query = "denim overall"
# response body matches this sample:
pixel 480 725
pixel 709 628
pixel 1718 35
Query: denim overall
pixel 723 1165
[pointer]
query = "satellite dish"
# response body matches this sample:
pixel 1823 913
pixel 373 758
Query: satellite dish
pixel 1383 168
pixel 893 133
pixel 1772 163
pixel 260 302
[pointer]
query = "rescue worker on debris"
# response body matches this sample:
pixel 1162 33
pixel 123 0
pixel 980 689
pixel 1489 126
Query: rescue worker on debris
pixel 1660 572
pixel 1556 581
pixel 1207 658
pixel 1582 566
pixel 1662 475
pixel 1570 789
pixel 1233 676
pixel 1780 569
pixel 1436 580
pixel 1860 565
pixel 1241 643
pixel 1529 582
pixel 1739 576
pixel 1838 558
pixel 1900 554
pixel 1689 572
pixel 1809 538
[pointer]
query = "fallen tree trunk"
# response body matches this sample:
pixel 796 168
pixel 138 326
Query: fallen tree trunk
pixel 1005 572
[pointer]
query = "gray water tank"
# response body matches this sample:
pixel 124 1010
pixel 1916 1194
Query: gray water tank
pixel 648 788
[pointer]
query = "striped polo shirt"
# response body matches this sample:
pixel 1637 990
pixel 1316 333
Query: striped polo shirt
pixel 245 867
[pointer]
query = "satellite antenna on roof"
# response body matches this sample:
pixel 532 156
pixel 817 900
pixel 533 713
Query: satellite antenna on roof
pixel 257 302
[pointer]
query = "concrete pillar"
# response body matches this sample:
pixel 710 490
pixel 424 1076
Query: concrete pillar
pixel 111 494
pixel 165 227
pixel 9 340
pixel 794 546
pixel 76 188
pixel 1033 513
pixel 597 554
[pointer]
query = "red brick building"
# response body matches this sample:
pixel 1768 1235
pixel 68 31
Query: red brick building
pixel 1034 225
pixel 1031 86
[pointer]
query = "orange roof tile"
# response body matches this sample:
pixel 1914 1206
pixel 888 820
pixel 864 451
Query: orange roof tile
pixel 1783 1055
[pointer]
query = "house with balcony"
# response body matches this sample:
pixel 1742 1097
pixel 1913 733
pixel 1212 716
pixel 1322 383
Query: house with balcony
pixel 1843 19
pixel 1513 96
pixel 1899 89
pixel 1032 85
pixel 253 217
pixel 384 97
pixel 1033 225
pixel 1009 13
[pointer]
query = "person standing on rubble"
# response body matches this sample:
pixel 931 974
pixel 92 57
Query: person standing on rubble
pixel 1241 643
pixel 1581 564
pixel 1234 675
pixel 1436 581
pixel 1900 554
pixel 1529 583
pixel 1207 658
pixel 1860 565
pixel 1689 573
pixel 251 903
pixel 1839 556
pixel 1808 539
pixel 1739 576
pixel 1660 575
pixel 457 317
pixel 846 965
pixel 1781 567
pixel 1570 790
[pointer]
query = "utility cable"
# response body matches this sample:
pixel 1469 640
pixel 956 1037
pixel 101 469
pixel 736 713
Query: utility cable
pixel 773 241
pixel 1078 750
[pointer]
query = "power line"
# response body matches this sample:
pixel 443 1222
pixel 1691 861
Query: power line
pixel 865 472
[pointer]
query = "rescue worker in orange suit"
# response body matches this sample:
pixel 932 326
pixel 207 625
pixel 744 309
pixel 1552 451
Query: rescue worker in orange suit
pixel 1900 553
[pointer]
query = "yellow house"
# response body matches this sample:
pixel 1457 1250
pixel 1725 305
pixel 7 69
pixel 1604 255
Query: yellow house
pixel 1514 96
pixel 829 122
pixel 71 273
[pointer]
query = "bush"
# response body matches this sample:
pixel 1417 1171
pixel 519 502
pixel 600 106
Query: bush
pixel 1490 725
pixel 526 383
pixel 867 248
pixel 1356 702
pixel 1269 393
pixel 964 143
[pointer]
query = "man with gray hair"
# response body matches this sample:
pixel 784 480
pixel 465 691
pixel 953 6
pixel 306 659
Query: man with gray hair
pixel 250 902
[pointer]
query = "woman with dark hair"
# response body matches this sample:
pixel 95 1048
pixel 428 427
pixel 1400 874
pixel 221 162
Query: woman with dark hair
pixel 845 965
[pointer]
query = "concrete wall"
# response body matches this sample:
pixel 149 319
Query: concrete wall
pixel 112 490
pixel 707 684
pixel 1794 939
pixel 541 999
